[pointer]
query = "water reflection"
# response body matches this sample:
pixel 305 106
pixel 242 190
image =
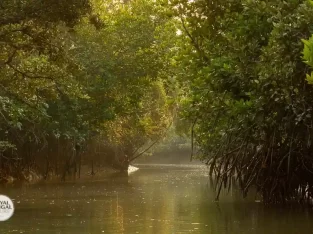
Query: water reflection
pixel 156 199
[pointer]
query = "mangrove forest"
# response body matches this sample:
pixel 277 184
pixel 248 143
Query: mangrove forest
pixel 93 87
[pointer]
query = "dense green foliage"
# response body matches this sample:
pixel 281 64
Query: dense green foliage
pixel 250 103
pixel 75 74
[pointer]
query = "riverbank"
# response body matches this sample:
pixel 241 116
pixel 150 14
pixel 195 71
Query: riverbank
pixel 33 177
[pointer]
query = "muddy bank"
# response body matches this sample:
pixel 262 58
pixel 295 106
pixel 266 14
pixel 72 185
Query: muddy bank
pixel 86 173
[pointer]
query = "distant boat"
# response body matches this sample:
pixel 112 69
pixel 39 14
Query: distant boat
pixel 132 169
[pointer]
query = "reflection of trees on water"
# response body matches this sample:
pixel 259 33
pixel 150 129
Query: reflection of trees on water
pixel 116 213
pixel 152 201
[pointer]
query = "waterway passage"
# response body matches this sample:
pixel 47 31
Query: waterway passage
pixel 160 199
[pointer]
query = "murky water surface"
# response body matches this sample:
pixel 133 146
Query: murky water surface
pixel 160 199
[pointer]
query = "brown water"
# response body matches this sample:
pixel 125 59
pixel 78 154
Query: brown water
pixel 160 199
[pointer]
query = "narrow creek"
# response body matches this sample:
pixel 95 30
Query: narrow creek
pixel 160 199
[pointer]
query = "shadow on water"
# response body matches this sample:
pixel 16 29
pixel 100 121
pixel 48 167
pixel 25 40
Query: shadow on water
pixel 154 199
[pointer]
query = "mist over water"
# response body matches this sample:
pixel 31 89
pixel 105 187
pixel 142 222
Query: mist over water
pixel 174 156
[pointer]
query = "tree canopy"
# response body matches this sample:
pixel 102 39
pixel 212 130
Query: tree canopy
pixel 74 71
pixel 110 78
pixel 250 105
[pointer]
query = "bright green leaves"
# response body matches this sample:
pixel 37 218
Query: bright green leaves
pixel 308 57
pixel 125 66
